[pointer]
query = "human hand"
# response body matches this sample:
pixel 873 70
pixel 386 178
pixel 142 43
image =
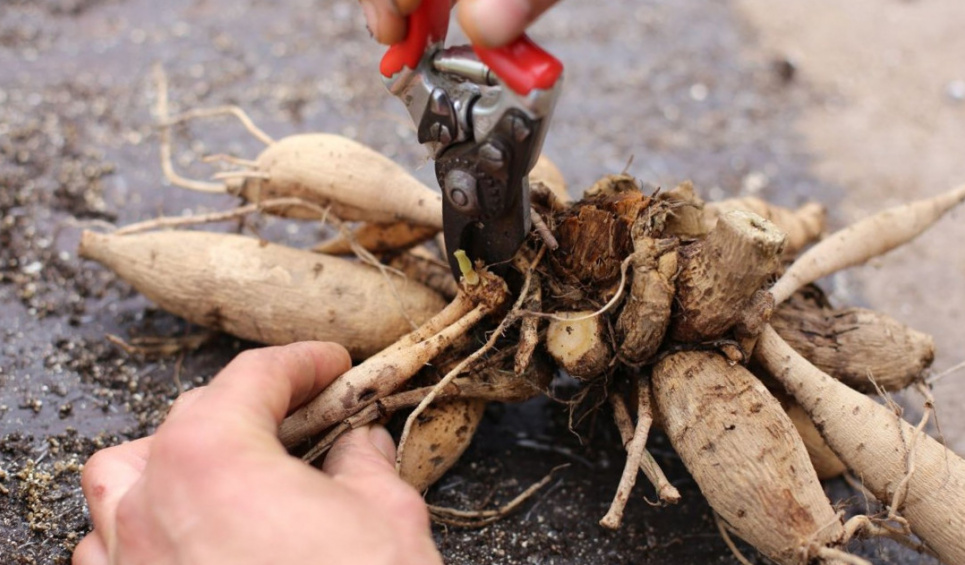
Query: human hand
pixel 214 484
pixel 490 23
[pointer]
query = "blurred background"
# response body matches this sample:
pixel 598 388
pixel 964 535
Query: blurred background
pixel 858 105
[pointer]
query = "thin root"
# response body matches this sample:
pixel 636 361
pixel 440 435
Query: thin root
pixel 635 450
pixel 167 165
pixel 239 212
pixel 901 491
pixel 224 158
pixel 544 231
pixel 511 317
pixel 725 535
pixel 529 334
pixel 235 111
pixel 160 346
pixel 954 369
pixel 621 417
pixel 243 175
pixel 480 518
pixel 866 526
pixel 459 388
pixel 832 554
pixel 610 304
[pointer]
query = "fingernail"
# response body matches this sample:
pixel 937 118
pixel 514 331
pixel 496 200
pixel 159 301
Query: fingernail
pixel 371 17
pixel 382 440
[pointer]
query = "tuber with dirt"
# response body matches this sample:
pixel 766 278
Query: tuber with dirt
pixel 665 302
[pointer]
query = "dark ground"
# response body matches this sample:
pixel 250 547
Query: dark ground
pixel 676 85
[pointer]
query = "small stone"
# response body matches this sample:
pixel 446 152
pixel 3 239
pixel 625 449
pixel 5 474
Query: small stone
pixel 699 91
pixel 754 182
pixel 785 69
pixel 33 268
pixel 65 410
pixel 956 90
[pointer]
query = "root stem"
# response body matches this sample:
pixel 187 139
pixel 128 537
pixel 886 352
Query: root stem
pixel 621 417
pixel 635 451
pixel 480 518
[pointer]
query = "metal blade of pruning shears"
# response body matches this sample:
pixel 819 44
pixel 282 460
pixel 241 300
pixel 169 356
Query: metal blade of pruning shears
pixel 483 114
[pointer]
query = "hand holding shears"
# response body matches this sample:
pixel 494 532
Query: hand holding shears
pixel 493 23
pixel 483 114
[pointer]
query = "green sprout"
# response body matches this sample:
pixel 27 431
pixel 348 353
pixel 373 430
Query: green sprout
pixel 465 266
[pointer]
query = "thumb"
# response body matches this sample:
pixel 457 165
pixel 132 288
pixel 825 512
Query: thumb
pixel 363 451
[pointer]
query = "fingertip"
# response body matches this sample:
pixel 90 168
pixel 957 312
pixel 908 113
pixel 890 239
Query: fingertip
pixel 362 451
pixel 406 7
pixel 384 20
pixel 331 359
pixel 493 23
pixel 107 477
pixel 90 551
pixel 119 465
pixel 383 442
pixel 267 383
pixel 185 400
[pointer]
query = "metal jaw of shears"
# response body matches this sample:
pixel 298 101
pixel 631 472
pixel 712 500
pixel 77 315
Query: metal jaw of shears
pixel 483 114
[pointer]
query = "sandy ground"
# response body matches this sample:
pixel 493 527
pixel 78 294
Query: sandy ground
pixel 690 89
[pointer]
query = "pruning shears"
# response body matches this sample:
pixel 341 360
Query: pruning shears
pixel 483 114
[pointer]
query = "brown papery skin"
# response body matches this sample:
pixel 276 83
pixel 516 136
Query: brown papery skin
pixel 874 443
pixel 859 347
pixel 424 266
pixel 745 455
pixel 378 238
pixel 643 321
pixel 438 438
pixel 265 292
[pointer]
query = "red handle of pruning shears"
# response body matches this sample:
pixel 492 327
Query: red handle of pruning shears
pixel 522 65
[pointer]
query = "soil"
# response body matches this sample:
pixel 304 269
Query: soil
pixel 730 95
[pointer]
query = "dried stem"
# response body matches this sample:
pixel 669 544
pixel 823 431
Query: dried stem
pixel 720 274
